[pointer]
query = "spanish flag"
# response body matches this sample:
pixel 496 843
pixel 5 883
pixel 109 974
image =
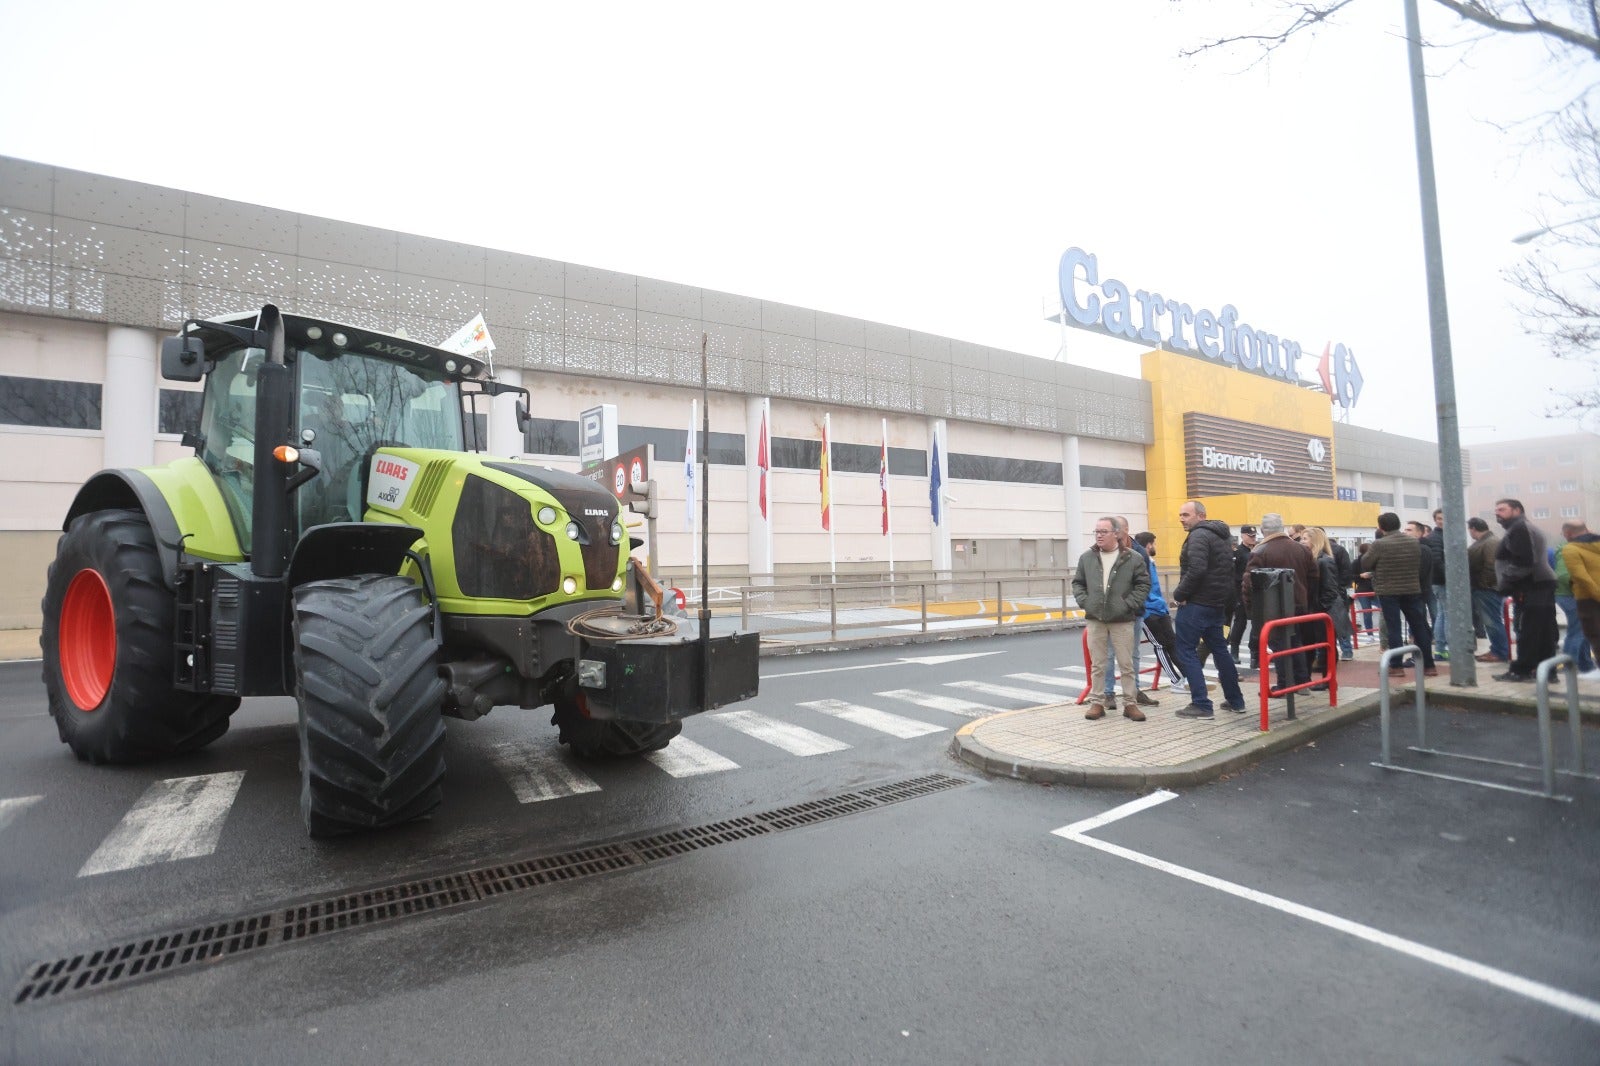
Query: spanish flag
pixel 827 464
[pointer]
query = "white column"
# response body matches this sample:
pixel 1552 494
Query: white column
pixel 940 533
pixel 1400 498
pixel 504 436
pixel 758 529
pixel 128 401
pixel 1072 492
pixel 1355 483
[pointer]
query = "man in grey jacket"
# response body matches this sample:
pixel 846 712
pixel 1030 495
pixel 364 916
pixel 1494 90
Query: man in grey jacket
pixel 1110 585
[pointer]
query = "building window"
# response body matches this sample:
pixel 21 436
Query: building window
pixel 1569 512
pixel 1566 458
pixel 1508 464
pixel 1416 501
pixel 49 404
pixel 1539 486
pixel 1111 477
pixel 1569 486
pixel 1541 512
pixel 1384 498
pixel 1535 460
pixel 179 412
pixel 1485 465
pixel 552 436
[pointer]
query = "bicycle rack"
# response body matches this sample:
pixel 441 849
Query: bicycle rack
pixel 1546 740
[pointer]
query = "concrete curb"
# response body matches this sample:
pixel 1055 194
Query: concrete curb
pixel 1197 771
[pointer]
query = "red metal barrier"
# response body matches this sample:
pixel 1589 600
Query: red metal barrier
pixel 1357 630
pixel 1088 663
pixel 1330 670
pixel 1505 620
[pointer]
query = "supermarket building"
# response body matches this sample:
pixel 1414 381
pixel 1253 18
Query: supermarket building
pixel 95 270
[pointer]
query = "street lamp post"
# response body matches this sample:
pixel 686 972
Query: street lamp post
pixel 1463 665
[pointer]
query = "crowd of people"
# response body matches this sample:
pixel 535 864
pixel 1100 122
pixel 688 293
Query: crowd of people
pixel 1210 614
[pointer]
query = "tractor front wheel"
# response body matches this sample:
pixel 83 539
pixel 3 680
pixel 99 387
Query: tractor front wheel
pixel 592 738
pixel 107 642
pixel 367 679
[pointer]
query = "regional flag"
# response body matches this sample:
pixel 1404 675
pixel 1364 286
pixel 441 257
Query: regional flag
pixel 764 462
pixel 935 482
pixel 883 478
pixel 827 515
pixel 688 473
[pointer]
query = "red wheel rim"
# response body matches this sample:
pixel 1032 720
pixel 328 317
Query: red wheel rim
pixel 88 650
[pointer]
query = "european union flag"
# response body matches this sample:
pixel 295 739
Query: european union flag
pixel 934 482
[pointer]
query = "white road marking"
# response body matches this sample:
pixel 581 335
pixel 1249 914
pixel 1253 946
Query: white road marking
pixel 179 818
pixel 10 808
pixel 948 704
pixel 1026 695
pixel 832 670
pixel 1043 679
pixel 1587 1009
pixel 791 738
pixel 684 758
pixel 916 660
pixel 537 772
pixel 1154 799
pixel 872 718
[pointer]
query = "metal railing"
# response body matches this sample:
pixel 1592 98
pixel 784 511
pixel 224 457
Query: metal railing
pixel 948 601
pixel 1547 766
pixel 1330 667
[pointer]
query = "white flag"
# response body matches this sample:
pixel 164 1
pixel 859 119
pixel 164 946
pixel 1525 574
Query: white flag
pixel 472 337
pixel 688 472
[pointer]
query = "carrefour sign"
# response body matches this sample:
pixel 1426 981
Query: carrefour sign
pixel 1110 307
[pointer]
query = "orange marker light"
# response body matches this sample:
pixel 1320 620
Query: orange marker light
pixel 286 453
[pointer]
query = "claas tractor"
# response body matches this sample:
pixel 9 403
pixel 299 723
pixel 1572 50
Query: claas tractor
pixel 333 539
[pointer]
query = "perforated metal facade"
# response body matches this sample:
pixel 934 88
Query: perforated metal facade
pixel 90 247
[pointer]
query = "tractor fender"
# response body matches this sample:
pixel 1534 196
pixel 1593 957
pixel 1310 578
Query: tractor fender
pixel 345 549
pixel 132 490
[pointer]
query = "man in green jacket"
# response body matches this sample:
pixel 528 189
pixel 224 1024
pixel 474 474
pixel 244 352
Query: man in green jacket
pixel 1110 585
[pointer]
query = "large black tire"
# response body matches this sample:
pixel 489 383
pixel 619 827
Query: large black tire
pixel 366 666
pixel 107 641
pixel 592 738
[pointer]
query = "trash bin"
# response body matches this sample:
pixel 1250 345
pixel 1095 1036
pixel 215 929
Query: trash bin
pixel 1272 596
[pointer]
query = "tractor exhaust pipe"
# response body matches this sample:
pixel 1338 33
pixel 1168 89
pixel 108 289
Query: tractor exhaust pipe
pixel 272 533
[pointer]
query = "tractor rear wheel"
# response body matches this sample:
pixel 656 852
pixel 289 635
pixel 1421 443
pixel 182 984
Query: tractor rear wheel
pixel 107 642
pixel 592 738
pixel 366 665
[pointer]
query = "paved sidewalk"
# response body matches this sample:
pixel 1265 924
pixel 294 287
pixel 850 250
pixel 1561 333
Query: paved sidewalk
pixel 1056 744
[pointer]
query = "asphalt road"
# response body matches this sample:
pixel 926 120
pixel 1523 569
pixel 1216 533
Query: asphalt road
pixel 1312 909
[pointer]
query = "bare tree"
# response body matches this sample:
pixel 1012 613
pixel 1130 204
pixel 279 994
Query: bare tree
pixel 1561 301
pixel 1572 27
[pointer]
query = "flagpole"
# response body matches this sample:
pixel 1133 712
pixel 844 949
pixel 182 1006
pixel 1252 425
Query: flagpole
pixel 888 525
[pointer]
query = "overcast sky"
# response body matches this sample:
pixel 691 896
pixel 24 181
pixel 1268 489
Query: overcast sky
pixel 923 164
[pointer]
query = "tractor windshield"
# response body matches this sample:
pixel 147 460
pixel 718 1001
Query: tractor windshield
pixel 351 405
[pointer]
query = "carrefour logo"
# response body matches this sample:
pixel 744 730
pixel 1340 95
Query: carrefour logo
pixel 1316 449
pixel 1220 460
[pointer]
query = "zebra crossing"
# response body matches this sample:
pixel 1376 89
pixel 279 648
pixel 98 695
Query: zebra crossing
pixel 184 817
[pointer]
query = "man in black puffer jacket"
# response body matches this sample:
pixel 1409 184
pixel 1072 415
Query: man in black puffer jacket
pixel 1204 593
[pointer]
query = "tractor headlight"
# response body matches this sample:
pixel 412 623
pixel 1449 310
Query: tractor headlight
pixel 547 515
pixel 572 531
pixel 616 531
pixel 616 586
pixel 569 585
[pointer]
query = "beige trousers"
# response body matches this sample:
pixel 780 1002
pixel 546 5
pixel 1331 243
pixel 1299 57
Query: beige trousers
pixel 1121 634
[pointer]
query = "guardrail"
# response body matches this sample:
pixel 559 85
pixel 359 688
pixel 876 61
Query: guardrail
pixel 1357 629
pixel 1330 668
pixel 1155 668
pixel 1547 766
pixel 921 606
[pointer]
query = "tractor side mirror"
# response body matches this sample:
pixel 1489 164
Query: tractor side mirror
pixel 524 419
pixel 183 358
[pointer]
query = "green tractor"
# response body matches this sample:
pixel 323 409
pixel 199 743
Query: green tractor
pixel 332 539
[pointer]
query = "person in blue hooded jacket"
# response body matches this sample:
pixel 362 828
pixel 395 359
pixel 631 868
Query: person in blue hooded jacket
pixel 1158 616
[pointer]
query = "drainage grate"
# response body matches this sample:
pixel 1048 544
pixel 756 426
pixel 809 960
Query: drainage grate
pixel 167 953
